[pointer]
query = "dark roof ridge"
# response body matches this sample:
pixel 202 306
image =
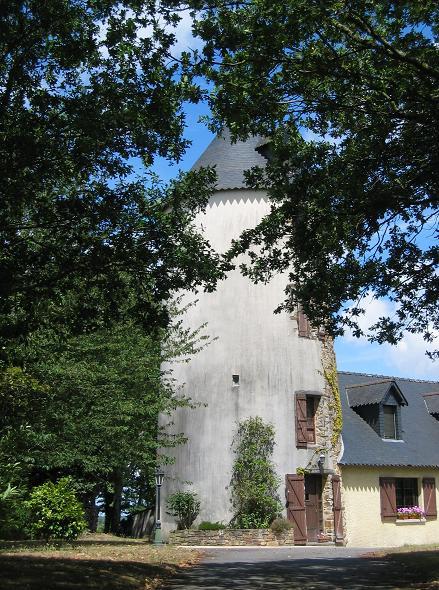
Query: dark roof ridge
pixel 387 377
pixel 368 383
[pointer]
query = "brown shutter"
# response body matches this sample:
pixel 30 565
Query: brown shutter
pixel 303 324
pixel 301 421
pixel 295 492
pixel 388 496
pixel 338 514
pixel 429 487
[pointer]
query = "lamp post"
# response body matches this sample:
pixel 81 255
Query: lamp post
pixel 159 475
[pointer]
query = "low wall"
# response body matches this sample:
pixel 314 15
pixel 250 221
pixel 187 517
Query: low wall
pixel 230 537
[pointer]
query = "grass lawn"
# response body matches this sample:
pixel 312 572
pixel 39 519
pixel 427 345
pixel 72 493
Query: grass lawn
pixel 423 560
pixel 94 562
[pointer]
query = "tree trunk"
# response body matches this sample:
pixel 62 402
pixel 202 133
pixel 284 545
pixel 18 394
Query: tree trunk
pixel 91 511
pixel 113 504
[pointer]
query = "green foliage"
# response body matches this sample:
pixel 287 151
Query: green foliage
pixel 211 526
pixel 280 526
pixel 185 507
pixel 335 404
pixel 89 97
pixel 96 416
pixel 55 512
pixel 254 482
pixel 348 93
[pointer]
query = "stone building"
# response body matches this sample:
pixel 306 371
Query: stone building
pixel 260 364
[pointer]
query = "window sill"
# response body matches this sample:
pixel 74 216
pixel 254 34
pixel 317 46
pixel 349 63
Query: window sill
pixel 410 521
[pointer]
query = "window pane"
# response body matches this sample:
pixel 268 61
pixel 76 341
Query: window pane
pixel 310 418
pixel 389 422
pixel 406 492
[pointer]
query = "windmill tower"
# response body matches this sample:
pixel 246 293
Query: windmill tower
pixel 260 364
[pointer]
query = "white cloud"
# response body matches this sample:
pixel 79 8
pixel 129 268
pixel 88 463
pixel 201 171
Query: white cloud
pixel 407 358
pixel 184 39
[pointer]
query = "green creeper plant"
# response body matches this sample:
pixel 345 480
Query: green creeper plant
pixel 55 512
pixel 335 403
pixel 254 481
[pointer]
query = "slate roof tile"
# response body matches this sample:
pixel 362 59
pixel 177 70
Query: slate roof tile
pixel 363 446
pixel 372 392
pixel 231 159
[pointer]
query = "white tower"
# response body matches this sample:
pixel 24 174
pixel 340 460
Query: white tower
pixel 257 363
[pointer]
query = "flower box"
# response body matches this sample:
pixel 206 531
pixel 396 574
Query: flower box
pixel 410 513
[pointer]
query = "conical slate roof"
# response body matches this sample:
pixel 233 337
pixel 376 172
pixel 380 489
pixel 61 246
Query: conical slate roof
pixel 231 159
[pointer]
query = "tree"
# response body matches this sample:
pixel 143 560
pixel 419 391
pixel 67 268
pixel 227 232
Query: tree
pixel 96 416
pixel 348 93
pixel 88 98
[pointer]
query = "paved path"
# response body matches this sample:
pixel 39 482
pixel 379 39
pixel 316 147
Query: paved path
pixel 294 568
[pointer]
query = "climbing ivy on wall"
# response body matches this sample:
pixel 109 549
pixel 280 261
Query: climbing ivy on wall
pixel 254 481
pixel 335 403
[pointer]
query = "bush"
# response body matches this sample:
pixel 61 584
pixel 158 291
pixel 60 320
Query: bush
pixel 185 507
pixel 211 526
pixel 55 511
pixel 254 481
pixel 280 526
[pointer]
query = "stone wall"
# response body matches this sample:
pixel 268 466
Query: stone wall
pixel 325 427
pixel 231 537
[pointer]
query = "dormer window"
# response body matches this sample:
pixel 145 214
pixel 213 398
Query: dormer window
pixel 379 404
pixel 389 422
pixel 432 402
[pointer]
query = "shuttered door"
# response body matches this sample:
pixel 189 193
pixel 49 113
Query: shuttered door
pixel 429 488
pixel 295 492
pixel 338 514
pixel 301 421
pixel 388 496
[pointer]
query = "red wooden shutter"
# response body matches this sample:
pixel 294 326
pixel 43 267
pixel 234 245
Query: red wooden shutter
pixel 388 496
pixel 303 324
pixel 301 421
pixel 338 514
pixel 429 487
pixel 295 492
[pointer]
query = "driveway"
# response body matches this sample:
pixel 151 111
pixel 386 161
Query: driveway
pixel 285 568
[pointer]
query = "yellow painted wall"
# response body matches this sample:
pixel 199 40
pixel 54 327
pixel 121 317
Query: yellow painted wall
pixel 361 501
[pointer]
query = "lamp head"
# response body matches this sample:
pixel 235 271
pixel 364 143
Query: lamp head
pixel 159 475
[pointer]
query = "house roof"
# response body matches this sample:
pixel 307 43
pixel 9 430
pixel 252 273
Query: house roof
pixel 373 392
pixel 432 402
pixel 419 446
pixel 231 159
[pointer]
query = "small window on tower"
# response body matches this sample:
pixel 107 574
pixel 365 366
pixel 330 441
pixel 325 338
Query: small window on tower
pixel 235 380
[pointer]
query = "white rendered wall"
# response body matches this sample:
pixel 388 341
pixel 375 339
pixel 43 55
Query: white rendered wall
pixel 262 348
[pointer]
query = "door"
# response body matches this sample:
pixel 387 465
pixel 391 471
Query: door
pixel 295 495
pixel 313 506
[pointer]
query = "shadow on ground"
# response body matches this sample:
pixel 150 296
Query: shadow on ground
pixel 24 572
pixel 36 543
pixel 303 574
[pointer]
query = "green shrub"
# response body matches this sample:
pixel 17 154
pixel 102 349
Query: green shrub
pixel 254 481
pixel 55 512
pixel 280 526
pixel 185 507
pixel 211 526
